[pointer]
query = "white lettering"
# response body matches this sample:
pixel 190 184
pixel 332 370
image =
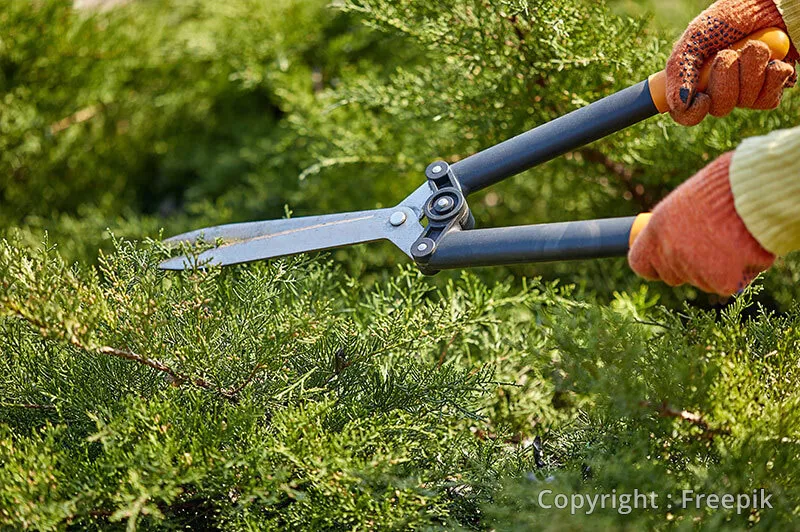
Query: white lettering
pixel 712 501
pixel 624 504
pixel 541 495
pixel 742 502
pixel 592 503
pixel 765 502
pixel 576 503
pixel 563 498
pixel 728 501
pixel 686 497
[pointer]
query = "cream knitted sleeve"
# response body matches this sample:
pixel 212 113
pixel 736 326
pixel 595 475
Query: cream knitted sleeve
pixel 765 181
pixel 790 9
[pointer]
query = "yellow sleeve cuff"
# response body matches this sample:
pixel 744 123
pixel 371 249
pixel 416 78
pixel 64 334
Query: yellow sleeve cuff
pixel 765 181
pixel 790 10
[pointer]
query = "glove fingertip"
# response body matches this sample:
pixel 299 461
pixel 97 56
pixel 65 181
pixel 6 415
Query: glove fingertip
pixel 723 85
pixel 639 259
pixel 777 76
pixel 782 67
pixel 685 94
pixel 680 82
pixel 695 113
pixel 792 81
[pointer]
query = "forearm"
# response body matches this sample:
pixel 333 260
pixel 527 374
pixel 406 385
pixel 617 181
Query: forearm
pixel 790 10
pixel 765 181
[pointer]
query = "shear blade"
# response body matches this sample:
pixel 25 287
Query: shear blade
pixel 246 242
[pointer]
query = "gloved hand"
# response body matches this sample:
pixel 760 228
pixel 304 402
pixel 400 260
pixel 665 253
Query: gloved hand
pixel 696 236
pixel 739 79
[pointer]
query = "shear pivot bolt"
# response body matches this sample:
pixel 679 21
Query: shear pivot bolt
pixel 423 249
pixel 398 218
pixel 437 169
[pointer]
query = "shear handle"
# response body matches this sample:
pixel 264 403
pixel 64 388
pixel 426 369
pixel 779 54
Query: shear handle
pixel 591 239
pixel 583 126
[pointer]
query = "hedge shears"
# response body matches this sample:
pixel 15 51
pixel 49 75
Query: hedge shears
pixel 449 239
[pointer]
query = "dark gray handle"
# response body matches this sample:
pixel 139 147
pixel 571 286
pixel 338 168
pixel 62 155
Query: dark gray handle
pixel 548 141
pixel 589 239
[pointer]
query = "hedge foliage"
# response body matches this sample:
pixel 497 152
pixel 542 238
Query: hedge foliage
pixel 345 390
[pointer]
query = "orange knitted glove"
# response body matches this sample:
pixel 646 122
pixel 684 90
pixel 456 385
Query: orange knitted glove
pixel 744 79
pixel 695 236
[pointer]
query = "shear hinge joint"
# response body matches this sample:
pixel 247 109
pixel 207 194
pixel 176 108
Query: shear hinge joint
pixel 446 210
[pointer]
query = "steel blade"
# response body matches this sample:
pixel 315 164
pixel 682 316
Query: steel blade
pixel 231 233
pixel 246 242
pixel 248 230
pixel 270 239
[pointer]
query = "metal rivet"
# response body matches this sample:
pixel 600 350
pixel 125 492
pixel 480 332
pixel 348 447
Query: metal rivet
pixel 437 169
pixel 397 218
pixel 422 247
pixel 444 202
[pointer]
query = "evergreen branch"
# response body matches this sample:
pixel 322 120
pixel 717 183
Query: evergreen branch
pixel 446 349
pixel 82 115
pixel 625 174
pixel 664 410
pixel 234 391
pixel 176 378
pixel 28 406
pixel 166 508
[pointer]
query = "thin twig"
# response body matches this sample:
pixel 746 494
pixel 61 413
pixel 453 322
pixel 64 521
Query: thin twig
pixel 234 391
pixel 446 349
pixel 28 406
pixel 664 410
pixel 87 113
pixel 176 378
pixel 514 20
pixel 652 323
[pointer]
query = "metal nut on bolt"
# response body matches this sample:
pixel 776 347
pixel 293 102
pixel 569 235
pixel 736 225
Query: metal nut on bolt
pixel 437 170
pixel 397 218
pixel 423 248
pixel 444 203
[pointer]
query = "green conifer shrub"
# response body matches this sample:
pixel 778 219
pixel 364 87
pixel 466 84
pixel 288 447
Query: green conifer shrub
pixel 289 394
pixel 344 391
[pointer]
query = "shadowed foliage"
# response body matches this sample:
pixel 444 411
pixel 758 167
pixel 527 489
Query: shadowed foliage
pixel 345 390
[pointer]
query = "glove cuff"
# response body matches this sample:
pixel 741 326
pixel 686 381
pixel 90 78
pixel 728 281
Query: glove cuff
pixel 710 196
pixel 766 191
pixel 696 236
